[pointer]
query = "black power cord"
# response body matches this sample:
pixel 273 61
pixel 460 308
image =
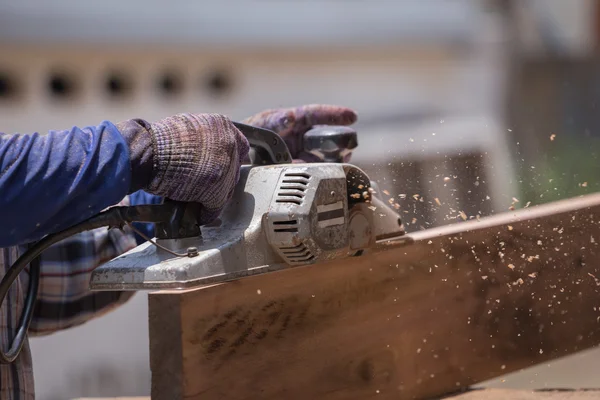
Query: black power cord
pixel 34 281
pixel 169 212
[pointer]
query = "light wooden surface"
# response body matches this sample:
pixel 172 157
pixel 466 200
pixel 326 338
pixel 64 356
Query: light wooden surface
pixel 504 394
pixel 453 309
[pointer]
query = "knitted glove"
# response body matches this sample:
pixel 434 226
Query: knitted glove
pixel 197 158
pixel 292 123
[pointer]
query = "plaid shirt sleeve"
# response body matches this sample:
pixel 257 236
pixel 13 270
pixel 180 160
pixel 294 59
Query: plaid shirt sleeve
pixel 64 298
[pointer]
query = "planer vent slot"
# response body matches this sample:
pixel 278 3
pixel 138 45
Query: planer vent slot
pixel 293 201
pixel 298 175
pixel 285 226
pixel 297 254
pixel 292 188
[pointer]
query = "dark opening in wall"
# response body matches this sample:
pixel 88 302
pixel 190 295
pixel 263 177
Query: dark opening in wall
pixel 170 83
pixel 218 82
pixel 118 84
pixel 62 85
pixel 9 87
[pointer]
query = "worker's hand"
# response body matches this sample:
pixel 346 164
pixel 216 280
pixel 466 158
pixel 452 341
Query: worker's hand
pixel 292 123
pixel 197 158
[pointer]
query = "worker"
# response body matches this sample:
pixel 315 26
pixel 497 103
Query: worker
pixel 51 182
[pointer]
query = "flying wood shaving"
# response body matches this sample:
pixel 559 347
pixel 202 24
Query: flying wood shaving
pixel 386 192
pixel 463 215
pixel 511 266
pixel 552 137
pixel 595 279
pixel 437 201
pixel 510 228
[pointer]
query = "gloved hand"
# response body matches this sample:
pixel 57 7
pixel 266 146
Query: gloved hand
pixel 197 158
pixel 292 123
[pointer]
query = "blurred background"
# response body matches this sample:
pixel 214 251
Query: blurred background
pixel 475 103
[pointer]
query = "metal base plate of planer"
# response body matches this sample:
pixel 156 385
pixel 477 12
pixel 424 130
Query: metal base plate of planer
pixel 280 216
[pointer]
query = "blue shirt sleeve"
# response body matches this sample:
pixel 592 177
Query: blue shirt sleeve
pixel 50 182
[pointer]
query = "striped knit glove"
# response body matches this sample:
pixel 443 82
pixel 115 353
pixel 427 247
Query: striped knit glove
pixel 292 123
pixel 197 158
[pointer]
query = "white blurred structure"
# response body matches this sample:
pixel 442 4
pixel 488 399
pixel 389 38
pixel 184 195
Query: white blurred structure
pixel 425 77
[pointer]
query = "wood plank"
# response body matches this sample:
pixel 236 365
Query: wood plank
pixel 549 394
pixel 464 303
pixel 480 394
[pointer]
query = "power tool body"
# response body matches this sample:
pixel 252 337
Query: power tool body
pixel 282 215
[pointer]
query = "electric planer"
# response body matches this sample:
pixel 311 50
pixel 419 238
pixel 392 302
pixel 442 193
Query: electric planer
pixel 282 215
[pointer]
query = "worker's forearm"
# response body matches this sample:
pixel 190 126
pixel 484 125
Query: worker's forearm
pixel 48 183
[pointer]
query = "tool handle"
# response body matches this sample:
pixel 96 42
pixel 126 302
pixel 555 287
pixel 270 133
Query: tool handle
pixel 182 220
pixel 267 146
pixel 330 143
